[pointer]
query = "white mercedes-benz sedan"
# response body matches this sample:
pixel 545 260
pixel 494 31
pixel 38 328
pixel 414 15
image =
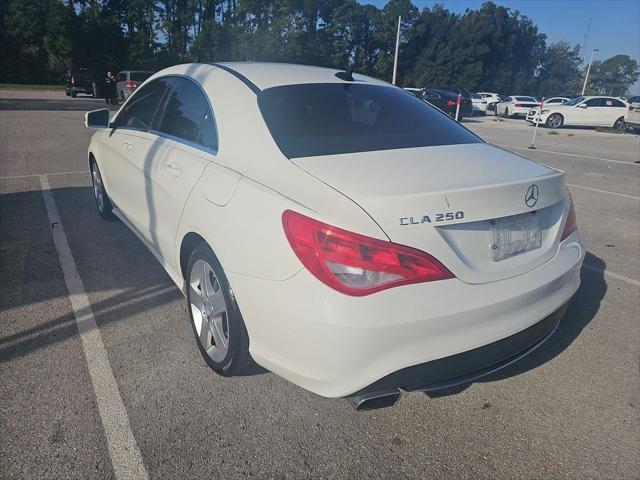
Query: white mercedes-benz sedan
pixel 335 229
pixel 582 111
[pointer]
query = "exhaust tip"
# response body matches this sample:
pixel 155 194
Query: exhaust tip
pixel 373 401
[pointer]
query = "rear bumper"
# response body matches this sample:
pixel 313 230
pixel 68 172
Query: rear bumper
pixel 467 366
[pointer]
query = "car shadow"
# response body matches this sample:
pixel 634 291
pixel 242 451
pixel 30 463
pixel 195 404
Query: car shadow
pixel 581 310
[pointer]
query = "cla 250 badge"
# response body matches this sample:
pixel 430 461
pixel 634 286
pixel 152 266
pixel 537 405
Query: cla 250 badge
pixel 435 218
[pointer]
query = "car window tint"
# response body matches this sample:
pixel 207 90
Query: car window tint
pixel 139 76
pixel 187 115
pixel 613 102
pixel 595 102
pixel 139 111
pixel 334 118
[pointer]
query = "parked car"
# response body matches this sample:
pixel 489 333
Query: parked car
pixel 632 115
pixel 128 80
pixel 593 111
pixel 322 248
pixel 447 101
pixel 516 106
pixel 491 98
pixel 80 80
pixel 479 104
pixel 547 102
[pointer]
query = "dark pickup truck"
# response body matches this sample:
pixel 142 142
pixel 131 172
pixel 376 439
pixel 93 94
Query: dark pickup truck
pixel 80 80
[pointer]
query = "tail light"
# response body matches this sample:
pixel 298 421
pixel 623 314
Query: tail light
pixel 451 103
pixel 571 224
pixel 518 105
pixel 130 84
pixel 355 264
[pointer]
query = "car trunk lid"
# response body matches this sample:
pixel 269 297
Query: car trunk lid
pixel 445 200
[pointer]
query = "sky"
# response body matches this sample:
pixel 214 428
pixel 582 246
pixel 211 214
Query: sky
pixel 615 24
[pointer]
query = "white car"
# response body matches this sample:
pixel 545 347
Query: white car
pixel 594 111
pixel 479 104
pixel 632 115
pixel 127 81
pixel 492 99
pixel 343 234
pixel 552 101
pixel 516 106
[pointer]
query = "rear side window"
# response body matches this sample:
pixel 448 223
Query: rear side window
pixel 140 110
pixel 334 118
pixel 187 115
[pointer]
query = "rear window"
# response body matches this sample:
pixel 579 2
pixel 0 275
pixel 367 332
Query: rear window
pixel 526 99
pixel 328 119
pixel 139 76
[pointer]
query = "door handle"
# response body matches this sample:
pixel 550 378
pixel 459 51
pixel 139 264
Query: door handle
pixel 173 169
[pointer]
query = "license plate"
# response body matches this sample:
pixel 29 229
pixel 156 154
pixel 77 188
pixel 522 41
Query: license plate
pixel 514 235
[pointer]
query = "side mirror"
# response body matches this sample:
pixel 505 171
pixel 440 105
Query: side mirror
pixel 582 105
pixel 97 118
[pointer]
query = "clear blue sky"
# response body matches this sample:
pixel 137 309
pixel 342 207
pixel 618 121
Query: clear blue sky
pixel 615 24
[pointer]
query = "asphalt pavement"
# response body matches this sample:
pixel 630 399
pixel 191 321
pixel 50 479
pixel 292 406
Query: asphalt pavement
pixel 568 411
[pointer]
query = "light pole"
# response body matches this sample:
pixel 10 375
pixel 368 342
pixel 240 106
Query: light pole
pixel 395 59
pixel 586 77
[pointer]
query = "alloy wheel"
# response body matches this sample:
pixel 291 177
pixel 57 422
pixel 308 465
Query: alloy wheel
pixel 209 310
pixel 98 188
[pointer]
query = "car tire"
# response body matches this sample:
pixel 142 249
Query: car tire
pixel 619 124
pixel 74 94
pixel 216 320
pixel 67 93
pixel 555 120
pixel 105 208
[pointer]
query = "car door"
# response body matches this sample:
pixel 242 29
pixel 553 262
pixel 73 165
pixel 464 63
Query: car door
pixel 613 110
pixel 595 114
pixel 130 146
pixel 186 142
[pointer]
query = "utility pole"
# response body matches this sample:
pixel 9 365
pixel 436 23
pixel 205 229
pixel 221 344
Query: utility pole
pixel 395 60
pixel 586 77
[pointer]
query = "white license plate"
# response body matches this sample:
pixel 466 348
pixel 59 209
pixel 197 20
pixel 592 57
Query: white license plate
pixel 514 235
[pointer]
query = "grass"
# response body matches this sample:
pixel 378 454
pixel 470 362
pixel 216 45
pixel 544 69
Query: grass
pixel 17 86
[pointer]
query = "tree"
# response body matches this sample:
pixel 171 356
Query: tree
pixel 559 72
pixel 614 76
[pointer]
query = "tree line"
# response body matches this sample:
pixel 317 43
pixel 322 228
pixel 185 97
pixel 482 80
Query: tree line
pixel 493 48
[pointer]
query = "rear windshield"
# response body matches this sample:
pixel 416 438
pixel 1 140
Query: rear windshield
pixel 328 119
pixel 526 99
pixel 139 76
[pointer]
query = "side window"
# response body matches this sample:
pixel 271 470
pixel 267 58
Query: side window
pixel 121 77
pixel 431 96
pixel 614 102
pixel 140 110
pixel 509 99
pixel 187 115
pixel 594 102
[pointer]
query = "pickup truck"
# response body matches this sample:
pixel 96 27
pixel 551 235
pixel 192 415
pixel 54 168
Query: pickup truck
pixel 80 80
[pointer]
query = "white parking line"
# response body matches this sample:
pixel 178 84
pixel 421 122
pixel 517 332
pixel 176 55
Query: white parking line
pixel 607 273
pixel 571 155
pixel 633 197
pixel 40 175
pixel 123 450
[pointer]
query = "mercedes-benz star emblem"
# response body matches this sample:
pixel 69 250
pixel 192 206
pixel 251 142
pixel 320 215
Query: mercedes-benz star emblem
pixel 531 197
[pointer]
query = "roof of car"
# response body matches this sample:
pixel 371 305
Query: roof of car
pixel 267 75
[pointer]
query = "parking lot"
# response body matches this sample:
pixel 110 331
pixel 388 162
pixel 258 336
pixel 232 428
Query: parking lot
pixel 569 410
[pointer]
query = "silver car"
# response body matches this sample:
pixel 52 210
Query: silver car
pixel 128 80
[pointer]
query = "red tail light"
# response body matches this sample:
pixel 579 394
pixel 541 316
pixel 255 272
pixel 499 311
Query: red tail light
pixel 517 105
pixel 451 103
pixel 355 264
pixel 571 225
pixel 130 84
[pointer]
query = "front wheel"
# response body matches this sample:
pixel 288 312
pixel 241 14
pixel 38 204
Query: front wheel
pixel 105 208
pixel 619 124
pixel 215 317
pixel 555 120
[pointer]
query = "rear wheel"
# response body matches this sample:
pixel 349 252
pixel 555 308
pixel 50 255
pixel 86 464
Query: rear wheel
pixel 619 124
pixel 215 317
pixel 105 208
pixel 74 94
pixel 555 120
